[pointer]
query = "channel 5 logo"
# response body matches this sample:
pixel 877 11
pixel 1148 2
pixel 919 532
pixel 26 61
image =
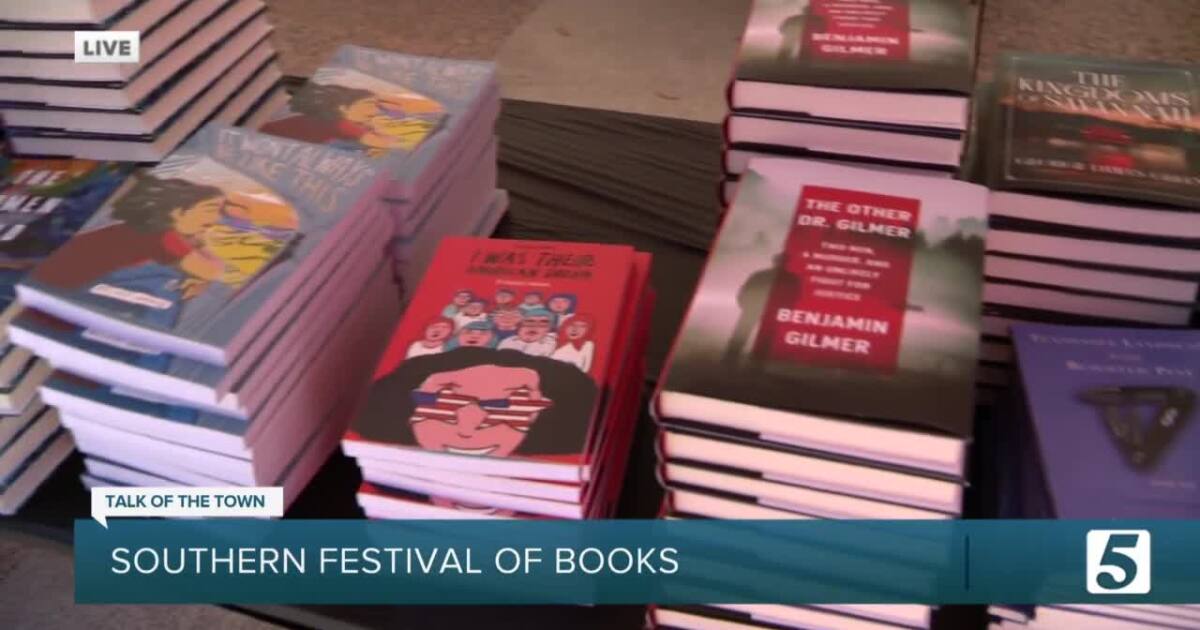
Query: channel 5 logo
pixel 1118 561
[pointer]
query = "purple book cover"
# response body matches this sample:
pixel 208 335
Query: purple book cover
pixel 1113 415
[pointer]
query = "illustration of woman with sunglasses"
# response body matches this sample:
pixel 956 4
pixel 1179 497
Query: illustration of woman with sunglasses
pixel 484 403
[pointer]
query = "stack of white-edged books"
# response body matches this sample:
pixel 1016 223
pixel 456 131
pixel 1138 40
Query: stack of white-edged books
pixel 32 442
pixel 43 203
pixel 1093 210
pixel 886 85
pixel 429 122
pixel 826 366
pixel 198 61
pixel 215 321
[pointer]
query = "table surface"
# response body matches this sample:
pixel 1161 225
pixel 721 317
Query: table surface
pixel 572 174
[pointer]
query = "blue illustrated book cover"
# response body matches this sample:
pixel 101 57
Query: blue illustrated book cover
pixel 402 110
pixel 43 202
pixel 100 393
pixel 196 253
pixel 97 344
pixel 1113 416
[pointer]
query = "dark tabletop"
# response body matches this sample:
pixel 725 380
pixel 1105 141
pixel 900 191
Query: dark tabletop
pixel 572 174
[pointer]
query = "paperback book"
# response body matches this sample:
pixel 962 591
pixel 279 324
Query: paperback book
pixel 43 202
pixel 200 252
pixel 522 331
pixel 399 109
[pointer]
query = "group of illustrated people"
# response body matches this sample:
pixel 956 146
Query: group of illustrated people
pixel 537 324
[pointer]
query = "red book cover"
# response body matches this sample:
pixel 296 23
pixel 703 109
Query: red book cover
pixel 858 29
pixel 504 353
pixel 846 265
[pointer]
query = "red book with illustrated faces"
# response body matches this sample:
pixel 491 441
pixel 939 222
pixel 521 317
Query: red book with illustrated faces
pixel 504 363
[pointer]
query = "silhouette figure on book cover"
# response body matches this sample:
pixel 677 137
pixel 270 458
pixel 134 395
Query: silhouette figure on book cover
pixel 752 300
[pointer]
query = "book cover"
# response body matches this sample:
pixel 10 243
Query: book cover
pixel 503 352
pixel 905 45
pixel 196 246
pixel 398 108
pixel 1126 398
pixel 127 400
pixel 112 348
pixel 1117 129
pixel 43 202
pixel 827 283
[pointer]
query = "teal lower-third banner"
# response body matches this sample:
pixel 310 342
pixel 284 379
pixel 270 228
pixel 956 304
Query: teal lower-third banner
pixel 634 562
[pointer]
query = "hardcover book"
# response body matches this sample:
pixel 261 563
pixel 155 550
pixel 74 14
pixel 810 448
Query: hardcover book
pixel 60 11
pixel 827 282
pixel 1115 129
pixel 159 106
pixel 58 39
pixel 1126 398
pixel 861 44
pixel 200 251
pixel 400 109
pixel 501 361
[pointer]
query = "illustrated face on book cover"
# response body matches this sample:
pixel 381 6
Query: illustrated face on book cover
pixel 358 112
pixel 800 40
pixel 503 351
pixel 45 201
pixel 480 401
pixel 1101 127
pixel 171 240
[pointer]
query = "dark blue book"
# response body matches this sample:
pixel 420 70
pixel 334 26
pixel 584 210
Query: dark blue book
pixel 43 202
pixel 1112 413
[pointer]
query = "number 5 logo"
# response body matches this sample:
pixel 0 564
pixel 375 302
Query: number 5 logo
pixel 1118 561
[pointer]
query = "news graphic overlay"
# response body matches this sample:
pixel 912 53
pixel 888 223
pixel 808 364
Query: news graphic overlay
pixel 108 46
pixel 540 561
pixel 173 502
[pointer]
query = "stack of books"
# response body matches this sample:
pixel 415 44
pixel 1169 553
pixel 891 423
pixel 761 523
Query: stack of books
pixel 826 366
pixel 42 203
pixel 216 321
pixel 429 122
pixel 511 387
pixel 199 60
pixel 884 83
pixel 1096 178
pixel 1127 398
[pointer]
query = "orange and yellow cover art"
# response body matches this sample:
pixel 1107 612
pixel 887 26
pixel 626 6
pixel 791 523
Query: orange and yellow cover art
pixel 352 110
pixel 171 237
